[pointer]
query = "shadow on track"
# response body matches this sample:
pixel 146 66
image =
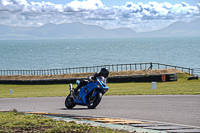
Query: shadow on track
pixel 75 109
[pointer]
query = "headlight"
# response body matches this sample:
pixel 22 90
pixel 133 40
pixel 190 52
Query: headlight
pixel 98 85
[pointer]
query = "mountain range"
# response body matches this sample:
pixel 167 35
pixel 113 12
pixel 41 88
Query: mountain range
pixel 82 31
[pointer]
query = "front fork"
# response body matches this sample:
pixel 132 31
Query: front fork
pixel 71 90
pixel 95 92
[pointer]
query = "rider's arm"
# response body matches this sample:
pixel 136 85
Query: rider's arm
pixel 92 78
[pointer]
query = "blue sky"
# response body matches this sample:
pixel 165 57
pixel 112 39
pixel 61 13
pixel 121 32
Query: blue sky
pixel 140 16
pixel 110 3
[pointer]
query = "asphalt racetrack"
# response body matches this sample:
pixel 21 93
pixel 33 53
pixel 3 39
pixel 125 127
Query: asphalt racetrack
pixel 178 109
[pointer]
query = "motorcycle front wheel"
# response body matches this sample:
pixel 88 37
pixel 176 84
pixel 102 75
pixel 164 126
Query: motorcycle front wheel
pixel 94 101
pixel 69 102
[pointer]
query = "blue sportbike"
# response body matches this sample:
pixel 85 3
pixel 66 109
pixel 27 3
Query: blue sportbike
pixel 89 95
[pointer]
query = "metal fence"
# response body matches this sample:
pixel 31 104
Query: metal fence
pixel 196 71
pixel 113 67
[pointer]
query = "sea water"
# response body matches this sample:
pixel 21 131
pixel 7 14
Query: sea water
pixel 56 54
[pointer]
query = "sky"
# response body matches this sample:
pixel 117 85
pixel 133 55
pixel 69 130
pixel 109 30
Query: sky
pixel 110 3
pixel 139 15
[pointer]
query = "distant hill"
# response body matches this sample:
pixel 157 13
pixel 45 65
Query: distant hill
pixel 14 32
pixel 82 31
pixel 177 29
pixel 78 30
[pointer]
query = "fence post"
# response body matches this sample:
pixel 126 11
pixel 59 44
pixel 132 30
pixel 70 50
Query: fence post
pixel 135 67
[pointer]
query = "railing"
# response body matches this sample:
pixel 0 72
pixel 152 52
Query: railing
pixel 113 67
pixel 196 71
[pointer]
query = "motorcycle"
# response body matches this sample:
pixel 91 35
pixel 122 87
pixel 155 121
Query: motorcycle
pixel 90 95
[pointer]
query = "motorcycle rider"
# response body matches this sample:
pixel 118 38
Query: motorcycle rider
pixel 102 75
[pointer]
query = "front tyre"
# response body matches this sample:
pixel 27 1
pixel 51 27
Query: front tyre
pixel 94 101
pixel 69 102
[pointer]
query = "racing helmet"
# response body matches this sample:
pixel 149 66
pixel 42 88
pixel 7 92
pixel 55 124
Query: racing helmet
pixel 104 72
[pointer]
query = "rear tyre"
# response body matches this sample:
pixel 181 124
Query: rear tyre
pixel 94 101
pixel 69 102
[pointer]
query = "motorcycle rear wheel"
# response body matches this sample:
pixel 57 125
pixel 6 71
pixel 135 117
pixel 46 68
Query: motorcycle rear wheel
pixel 94 101
pixel 69 102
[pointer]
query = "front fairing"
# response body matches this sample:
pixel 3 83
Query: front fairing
pixel 101 86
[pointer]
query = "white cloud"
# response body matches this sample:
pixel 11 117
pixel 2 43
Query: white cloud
pixel 85 5
pixel 198 5
pixel 138 16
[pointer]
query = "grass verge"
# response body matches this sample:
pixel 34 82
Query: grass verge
pixel 19 122
pixel 83 75
pixel 182 86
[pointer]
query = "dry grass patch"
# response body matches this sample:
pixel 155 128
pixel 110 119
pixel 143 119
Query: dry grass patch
pixel 83 75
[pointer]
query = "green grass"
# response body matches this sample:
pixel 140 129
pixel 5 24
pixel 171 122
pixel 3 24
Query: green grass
pixel 34 90
pixel 18 122
pixel 182 86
